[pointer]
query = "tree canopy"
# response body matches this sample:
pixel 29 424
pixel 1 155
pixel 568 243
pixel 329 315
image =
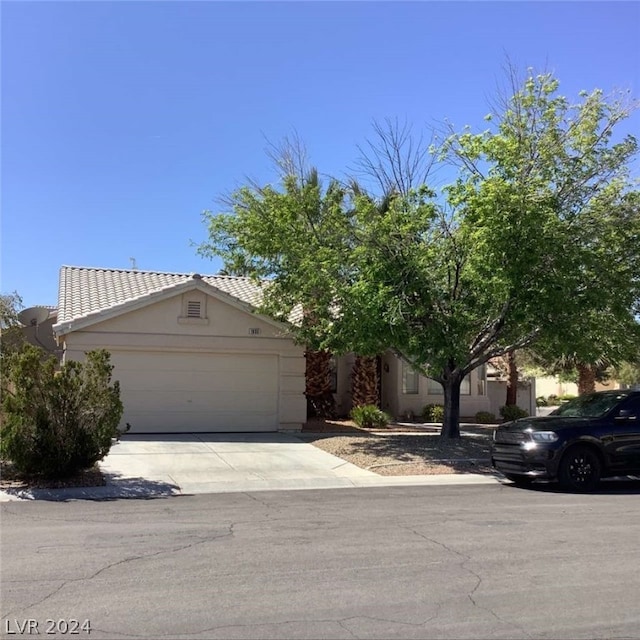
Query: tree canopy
pixel 11 335
pixel 535 240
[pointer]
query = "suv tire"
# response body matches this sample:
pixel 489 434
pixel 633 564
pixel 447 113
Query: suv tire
pixel 580 468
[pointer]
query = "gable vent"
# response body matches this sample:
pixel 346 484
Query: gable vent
pixel 193 309
pixel 254 331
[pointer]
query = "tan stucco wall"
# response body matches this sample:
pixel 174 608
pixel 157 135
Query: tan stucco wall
pixel 342 395
pixel 397 403
pixel 526 397
pixel 551 385
pixel 157 328
pixel 470 404
pixel 164 317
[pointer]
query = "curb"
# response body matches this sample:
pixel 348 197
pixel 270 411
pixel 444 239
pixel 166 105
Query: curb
pixel 142 491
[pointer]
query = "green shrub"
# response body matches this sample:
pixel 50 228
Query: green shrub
pixel 485 417
pixel 553 400
pixel 55 423
pixel 512 412
pixel 541 401
pixel 368 416
pixel 433 413
pixel 565 397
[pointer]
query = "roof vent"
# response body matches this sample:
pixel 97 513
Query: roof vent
pixel 196 276
pixel 193 309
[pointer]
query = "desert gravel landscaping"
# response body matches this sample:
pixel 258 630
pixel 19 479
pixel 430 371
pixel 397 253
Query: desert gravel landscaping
pixel 11 480
pixel 402 450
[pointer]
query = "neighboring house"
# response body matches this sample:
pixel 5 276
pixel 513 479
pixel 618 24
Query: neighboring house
pixel 37 328
pixel 551 385
pixel 189 351
pixel 192 354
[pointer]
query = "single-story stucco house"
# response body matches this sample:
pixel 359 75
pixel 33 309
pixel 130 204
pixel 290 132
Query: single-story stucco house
pixel 192 354
pixel 188 351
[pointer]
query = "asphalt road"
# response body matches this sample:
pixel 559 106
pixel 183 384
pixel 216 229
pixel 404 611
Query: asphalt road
pixel 416 562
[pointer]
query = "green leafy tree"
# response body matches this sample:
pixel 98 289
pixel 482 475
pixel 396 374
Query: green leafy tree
pixel 515 251
pixel 55 423
pixel 628 373
pixel 11 335
pixel 10 305
pixel 608 333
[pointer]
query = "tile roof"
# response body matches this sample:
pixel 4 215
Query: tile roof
pixel 84 291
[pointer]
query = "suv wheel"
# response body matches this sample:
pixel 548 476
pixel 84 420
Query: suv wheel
pixel 580 469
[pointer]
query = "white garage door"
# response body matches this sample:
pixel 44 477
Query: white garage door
pixel 178 392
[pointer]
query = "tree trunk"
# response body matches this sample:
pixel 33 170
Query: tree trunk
pixel 512 380
pixel 364 381
pixel 320 400
pixel 586 378
pixel 451 423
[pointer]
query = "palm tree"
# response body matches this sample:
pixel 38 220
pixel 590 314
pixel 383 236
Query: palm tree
pixel 320 400
pixel 365 377
pixel 365 381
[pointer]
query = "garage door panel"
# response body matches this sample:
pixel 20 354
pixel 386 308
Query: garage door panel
pixel 175 400
pixel 218 384
pixel 199 421
pixel 172 392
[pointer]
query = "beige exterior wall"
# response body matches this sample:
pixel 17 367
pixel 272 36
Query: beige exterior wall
pixel 397 403
pixel 551 385
pixel 526 397
pixel 344 364
pixel 470 404
pixel 247 363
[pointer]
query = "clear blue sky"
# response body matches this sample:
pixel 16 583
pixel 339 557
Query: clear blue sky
pixel 122 121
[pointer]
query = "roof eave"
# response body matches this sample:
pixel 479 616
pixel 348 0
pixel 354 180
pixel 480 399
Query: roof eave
pixel 76 324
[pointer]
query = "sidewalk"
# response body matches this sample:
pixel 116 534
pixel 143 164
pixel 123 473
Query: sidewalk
pixel 144 466
pixel 141 488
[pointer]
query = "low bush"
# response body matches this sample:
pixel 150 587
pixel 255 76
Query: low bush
pixel 565 397
pixel 541 401
pixel 553 400
pixel 368 416
pixel 433 413
pixel 56 423
pixel 512 412
pixel 485 417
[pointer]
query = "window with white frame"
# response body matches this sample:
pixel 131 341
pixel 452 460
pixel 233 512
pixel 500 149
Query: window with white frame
pixel 482 380
pixel 409 379
pixel 434 388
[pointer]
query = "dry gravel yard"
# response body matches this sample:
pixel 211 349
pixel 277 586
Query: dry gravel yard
pixel 394 452
pixel 11 479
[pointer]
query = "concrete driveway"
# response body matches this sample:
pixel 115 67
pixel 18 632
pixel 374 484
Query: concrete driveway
pixel 146 466
pixel 211 463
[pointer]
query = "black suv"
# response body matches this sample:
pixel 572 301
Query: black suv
pixel 593 436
